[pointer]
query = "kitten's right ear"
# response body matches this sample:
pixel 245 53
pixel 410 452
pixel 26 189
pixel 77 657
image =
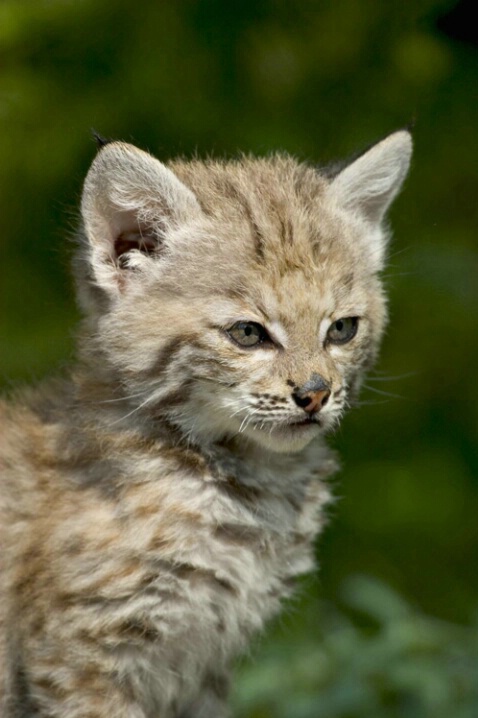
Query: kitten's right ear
pixel 368 185
pixel 130 202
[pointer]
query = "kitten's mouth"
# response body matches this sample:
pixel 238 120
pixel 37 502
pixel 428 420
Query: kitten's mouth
pixel 287 435
pixel 308 421
pixel 297 426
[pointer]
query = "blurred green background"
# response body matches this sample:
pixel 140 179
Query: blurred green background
pixel 389 627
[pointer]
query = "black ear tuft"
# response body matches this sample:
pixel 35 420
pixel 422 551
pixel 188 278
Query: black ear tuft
pixel 99 139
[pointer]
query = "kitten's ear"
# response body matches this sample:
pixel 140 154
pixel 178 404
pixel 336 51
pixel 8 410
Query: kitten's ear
pixel 130 202
pixel 368 185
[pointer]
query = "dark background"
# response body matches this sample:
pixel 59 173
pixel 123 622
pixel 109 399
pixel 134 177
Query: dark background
pixel 389 627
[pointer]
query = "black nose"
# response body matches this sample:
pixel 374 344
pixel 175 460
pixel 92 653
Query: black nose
pixel 313 395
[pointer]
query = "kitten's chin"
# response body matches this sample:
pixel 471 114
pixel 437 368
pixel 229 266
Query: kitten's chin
pixel 285 438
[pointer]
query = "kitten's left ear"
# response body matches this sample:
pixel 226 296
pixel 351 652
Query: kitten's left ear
pixel 368 185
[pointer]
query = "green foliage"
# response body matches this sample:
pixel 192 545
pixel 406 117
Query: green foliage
pixel 318 78
pixel 401 665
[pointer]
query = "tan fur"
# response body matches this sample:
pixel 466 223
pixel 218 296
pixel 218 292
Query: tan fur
pixel 158 504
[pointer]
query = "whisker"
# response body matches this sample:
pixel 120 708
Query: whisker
pixel 393 275
pixel 393 378
pixel 122 398
pixel 398 252
pixel 246 421
pixel 238 411
pixel 383 393
pixel 243 424
pixel 148 400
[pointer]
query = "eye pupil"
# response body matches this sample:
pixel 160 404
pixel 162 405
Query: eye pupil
pixel 343 330
pixel 248 334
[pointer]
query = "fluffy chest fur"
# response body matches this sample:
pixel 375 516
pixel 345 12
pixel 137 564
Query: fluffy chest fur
pixel 157 506
pixel 157 566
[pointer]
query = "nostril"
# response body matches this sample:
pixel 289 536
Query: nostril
pixel 312 403
pixel 302 401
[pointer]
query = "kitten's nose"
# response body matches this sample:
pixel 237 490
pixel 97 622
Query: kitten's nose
pixel 313 395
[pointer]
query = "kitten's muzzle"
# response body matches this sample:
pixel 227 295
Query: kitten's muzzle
pixel 313 395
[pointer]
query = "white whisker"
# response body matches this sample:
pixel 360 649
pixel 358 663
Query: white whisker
pixel 149 400
pixel 382 393
pixel 393 378
pixel 247 419
pixel 122 398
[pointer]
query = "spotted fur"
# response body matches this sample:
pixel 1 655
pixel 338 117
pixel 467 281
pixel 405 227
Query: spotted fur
pixel 158 504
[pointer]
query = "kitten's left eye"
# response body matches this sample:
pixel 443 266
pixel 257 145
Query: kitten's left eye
pixel 248 334
pixel 343 330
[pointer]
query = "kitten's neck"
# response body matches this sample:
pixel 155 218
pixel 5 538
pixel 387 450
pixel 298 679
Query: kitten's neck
pixel 102 402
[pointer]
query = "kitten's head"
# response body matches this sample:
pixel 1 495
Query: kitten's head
pixel 236 298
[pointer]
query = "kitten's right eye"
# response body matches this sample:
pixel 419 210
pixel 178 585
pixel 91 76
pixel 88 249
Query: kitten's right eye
pixel 343 330
pixel 248 334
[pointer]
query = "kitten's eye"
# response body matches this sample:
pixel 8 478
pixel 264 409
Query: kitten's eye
pixel 343 330
pixel 247 334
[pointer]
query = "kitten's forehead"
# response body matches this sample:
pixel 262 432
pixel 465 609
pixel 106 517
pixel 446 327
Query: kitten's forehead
pixel 300 299
pixel 267 222
pixel 268 181
pixel 260 207
pixel 273 246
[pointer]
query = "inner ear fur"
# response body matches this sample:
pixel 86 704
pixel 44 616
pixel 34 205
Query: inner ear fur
pixel 145 241
pixel 135 235
pixel 130 202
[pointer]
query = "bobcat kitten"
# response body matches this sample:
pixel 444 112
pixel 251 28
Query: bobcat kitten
pixel 157 505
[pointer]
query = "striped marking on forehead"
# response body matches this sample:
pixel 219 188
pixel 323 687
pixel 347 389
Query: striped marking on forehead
pixel 280 209
pixel 233 192
pixel 344 287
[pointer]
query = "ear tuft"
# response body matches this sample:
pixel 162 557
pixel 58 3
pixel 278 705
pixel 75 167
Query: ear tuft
pixel 99 139
pixel 369 184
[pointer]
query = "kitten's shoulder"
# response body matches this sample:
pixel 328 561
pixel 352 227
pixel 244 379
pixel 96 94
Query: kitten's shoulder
pixel 29 421
pixel 25 410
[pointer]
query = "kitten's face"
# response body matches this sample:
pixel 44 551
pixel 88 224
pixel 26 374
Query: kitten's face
pixel 277 367
pixel 254 316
